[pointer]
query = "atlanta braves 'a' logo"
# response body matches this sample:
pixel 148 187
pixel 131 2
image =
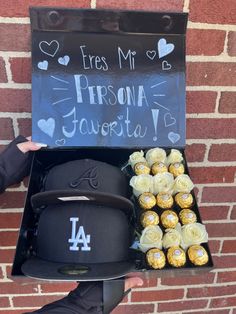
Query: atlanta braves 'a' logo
pixel 78 237
pixel 89 175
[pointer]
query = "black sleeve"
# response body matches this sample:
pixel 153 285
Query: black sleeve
pixel 14 165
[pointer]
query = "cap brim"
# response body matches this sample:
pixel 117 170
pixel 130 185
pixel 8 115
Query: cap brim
pixel 42 269
pixel 100 198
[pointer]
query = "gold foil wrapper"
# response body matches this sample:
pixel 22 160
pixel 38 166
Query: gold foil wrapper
pixel 156 258
pixel 158 167
pixel 198 255
pixel 176 169
pixel 169 219
pixel 176 256
pixel 164 200
pixel 147 200
pixel 187 216
pixel 141 168
pixel 184 200
pixel 149 218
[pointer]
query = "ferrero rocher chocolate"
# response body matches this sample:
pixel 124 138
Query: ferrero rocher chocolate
pixel 164 200
pixel 198 255
pixel 187 216
pixel 169 219
pixel 147 200
pixel 176 256
pixel 156 258
pixel 176 169
pixel 149 218
pixel 184 200
pixel 141 168
pixel 158 167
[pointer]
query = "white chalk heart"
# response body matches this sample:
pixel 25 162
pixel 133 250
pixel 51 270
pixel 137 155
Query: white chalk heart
pixel 151 54
pixel 64 60
pixel 47 126
pixel 165 65
pixel 43 65
pixel 173 137
pixel 49 49
pixel 60 142
pixel 163 48
pixel 169 120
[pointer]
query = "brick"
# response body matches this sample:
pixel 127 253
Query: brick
pixel 6 129
pixel 160 295
pixel 210 291
pixel 197 42
pixel 20 8
pixel 4 302
pixel 200 101
pixel 218 230
pixel 18 288
pixel 232 44
pixel 12 33
pixel 229 246
pixel 206 278
pixel 212 174
pixel 214 212
pixel 8 238
pixel 233 213
pixel 182 305
pixel 195 152
pixel 25 128
pixel 212 11
pixel 227 102
pixel 133 309
pixel 211 73
pixel 214 246
pixel 10 220
pixel 1 273
pixel 17 311
pixel 223 302
pixel 210 312
pixel 222 152
pixel 57 287
pixel 12 199
pixel 210 128
pixel 21 70
pixel 219 194
pixel 7 255
pixel 228 276
pixel 153 5
pixel 3 74
pixel 23 301
pixel 227 261
pixel 15 100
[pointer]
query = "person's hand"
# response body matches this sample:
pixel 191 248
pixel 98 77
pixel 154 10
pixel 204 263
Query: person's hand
pixel 131 282
pixel 29 146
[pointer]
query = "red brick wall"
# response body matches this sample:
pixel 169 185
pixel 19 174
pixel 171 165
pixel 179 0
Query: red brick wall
pixel 211 152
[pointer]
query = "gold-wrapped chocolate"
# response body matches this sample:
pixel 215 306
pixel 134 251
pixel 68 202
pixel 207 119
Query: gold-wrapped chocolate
pixel 198 255
pixel 164 200
pixel 184 200
pixel 158 167
pixel 141 168
pixel 187 216
pixel 149 218
pixel 169 219
pixel 176 169
pixel 147 200
pixel 156 258
pixel 176 256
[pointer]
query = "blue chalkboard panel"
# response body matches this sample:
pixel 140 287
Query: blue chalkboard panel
pixel 107 87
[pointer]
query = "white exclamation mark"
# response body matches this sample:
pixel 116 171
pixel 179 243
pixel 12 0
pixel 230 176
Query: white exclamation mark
pixel 155 114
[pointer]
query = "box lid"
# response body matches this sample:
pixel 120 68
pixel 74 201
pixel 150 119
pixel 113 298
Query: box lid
pixel 108 78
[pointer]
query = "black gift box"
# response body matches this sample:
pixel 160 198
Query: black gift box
pixel 104 84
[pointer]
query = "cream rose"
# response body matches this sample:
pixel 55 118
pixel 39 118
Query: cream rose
pixel 163 182
pixel 151 238
pixel 174 156
pixel 136 157
pixel 142 183
pixel 183 184
pixel 172 237
pixel 194 233
pixel 155 154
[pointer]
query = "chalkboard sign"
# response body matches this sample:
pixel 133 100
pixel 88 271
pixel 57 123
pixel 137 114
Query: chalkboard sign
pixel 94 84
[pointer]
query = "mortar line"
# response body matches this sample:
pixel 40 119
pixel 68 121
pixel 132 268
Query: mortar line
pixel 93 4
pixel 217 102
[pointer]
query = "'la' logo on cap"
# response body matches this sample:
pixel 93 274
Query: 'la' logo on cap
pixel 79 237
pixel 89 175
